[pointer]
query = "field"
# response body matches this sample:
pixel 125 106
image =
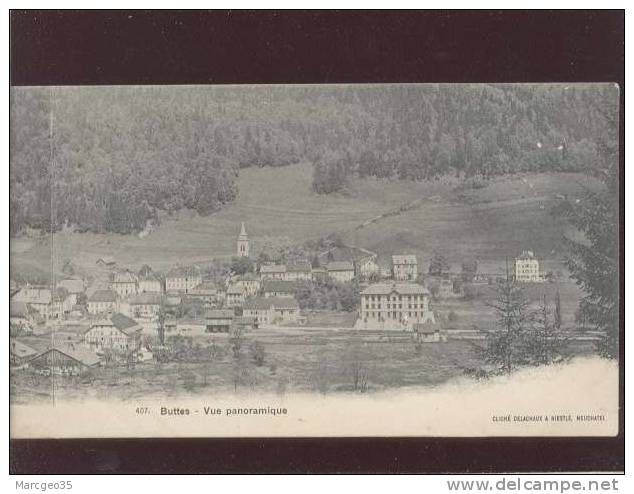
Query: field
pixel 489 223
pixel 478 313
pixel 327 361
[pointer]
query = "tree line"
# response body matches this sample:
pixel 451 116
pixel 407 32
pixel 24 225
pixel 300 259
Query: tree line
pixel 113 159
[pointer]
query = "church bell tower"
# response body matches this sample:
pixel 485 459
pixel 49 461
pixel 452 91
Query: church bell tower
pixel 243 242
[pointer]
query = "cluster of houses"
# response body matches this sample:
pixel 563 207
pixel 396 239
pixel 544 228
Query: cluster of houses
pixel 119 306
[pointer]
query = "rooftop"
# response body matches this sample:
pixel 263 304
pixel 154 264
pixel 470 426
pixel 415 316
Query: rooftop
pixel 207 287
pixel 123 323
pixel 299 267
pixel 20 349
pixel 18 309
pixel 235 290
pixel 146 298
pixel 248 277
pixel 123 277
pixel 399 288
pixel 74 351
pixel 219 314
pixel 72 285
pixel 183 272
pixel 404 259
pixel 340 266
pixel 273 268
pixel 284 302
pixel 279 286
pixel 103 296
pixel 34 295
pixel 527 254
pixel 261 303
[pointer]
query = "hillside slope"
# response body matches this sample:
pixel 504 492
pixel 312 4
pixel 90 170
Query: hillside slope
pixel 488 223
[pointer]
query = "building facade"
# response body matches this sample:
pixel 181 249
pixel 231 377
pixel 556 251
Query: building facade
pixel 183 279
pixel 249 283
pixel 219 320
pixel 367 267
pixel 395 306
pixel 273 272
pixel 342 271
pixel 277 288
pixel 261 309
pixel 123 283
pixel 272 310
pixel 101 302
pixel 235 296
pixel 145 305
pixel 404 267
pixel 527 268
pixel 298 271
pixel 150 284
pixel 40 299
pixel 118 333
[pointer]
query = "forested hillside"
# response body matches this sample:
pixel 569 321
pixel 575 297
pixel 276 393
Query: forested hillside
pixel 110 158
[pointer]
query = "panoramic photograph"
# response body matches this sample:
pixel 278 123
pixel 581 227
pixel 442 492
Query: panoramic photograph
pixel 362 245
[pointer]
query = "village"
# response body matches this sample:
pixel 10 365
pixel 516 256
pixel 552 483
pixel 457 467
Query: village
pixel 124 317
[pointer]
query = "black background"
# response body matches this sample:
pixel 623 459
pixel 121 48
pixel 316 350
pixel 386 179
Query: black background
pixel 201 47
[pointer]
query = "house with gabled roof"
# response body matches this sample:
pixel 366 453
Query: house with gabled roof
pixel 123 283
pixel 219 320
pixel 74 286
pixel 207 293
pixel 150 283
pixel 250 284
pixel 102 302
pixel 20 352
pixel 183 279
pixel 367 267
pixel 235 296
pixel 405 267
pixel 271 310
pixel 118 332
pixel 298 270
pixel 67 359
pixel 342 271
pixel 39 298
pixel 260 309
pixel 273 271
pixel 20 317
pixel 145 305
pixel 278 288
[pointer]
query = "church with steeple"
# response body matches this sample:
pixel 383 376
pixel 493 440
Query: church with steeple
pixel 243 242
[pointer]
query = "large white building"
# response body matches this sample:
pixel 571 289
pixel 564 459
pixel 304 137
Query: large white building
pixel 394 306
pixel 527 268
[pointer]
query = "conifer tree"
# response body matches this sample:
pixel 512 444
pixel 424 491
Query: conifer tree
pixel 505 345
pixel 544 344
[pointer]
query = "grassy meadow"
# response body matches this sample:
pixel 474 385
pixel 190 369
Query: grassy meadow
pixel 500 219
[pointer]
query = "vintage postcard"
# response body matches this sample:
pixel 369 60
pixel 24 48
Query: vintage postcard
pixel 314 260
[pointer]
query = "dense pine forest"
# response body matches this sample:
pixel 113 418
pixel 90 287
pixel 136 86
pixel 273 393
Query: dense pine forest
pixel 109 159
